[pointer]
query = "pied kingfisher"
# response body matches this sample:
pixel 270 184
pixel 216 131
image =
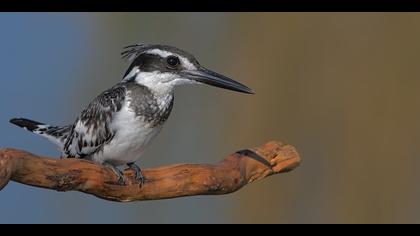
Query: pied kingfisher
pixel 115 128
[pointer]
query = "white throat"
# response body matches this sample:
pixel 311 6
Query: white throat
pixel 161 83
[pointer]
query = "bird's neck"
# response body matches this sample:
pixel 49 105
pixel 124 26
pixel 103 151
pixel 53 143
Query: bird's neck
pixel 155 107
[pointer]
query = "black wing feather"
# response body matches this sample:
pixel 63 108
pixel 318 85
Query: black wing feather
pixel 92 128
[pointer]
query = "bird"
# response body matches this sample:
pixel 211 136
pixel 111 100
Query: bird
pixel 115 128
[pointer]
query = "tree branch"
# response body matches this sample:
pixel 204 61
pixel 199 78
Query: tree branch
pixel 231 174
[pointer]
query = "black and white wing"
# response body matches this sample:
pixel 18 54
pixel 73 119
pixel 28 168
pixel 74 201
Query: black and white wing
pixel 92 128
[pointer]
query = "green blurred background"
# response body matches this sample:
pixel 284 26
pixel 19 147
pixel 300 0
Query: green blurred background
pixel 341 87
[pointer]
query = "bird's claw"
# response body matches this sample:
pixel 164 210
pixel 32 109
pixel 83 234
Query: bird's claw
pixel 139 174
pixel 121 180
pixel 118 172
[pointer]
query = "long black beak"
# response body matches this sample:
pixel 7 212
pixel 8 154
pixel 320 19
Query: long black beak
pixel 209 77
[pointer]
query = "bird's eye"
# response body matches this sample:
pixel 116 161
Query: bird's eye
pixel 172 61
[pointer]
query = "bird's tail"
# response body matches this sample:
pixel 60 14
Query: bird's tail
pixel 55 134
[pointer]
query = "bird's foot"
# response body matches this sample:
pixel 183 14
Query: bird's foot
pixel 118 172
pixel 139 174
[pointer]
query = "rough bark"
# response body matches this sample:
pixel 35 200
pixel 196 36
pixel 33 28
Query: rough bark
pixel 231 174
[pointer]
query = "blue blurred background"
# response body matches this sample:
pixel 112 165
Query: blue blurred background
pixel 342 88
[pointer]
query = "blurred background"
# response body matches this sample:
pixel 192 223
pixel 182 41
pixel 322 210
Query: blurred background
pixel 343 88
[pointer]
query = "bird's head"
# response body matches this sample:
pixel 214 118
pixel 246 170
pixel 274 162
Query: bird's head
pixel 162 67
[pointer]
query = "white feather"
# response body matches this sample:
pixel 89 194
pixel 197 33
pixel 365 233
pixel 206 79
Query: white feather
pixel 185 62
pixel 56 141
pixel 131 139
pixel 161 83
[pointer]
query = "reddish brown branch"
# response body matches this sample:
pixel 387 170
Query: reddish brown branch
pixel 231 174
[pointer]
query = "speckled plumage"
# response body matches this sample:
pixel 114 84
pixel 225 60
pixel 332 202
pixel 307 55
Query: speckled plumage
pixel 116 127
pixel 93 129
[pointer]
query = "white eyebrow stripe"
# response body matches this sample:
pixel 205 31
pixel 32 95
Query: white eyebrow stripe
pixel 165 54
pixel 159 52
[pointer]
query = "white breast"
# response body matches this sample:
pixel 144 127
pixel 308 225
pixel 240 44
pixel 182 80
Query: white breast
pixel 132 136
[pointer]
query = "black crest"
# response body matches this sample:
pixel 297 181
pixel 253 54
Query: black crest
pixel 137 55
pixel 132 51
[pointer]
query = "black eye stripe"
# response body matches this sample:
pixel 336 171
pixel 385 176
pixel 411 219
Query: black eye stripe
pixel 172 61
